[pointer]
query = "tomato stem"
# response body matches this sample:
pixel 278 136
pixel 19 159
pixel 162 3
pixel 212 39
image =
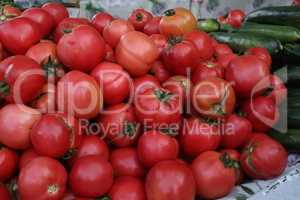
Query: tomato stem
pixel 228 162
pixel 170 12
pixel 173 40
pixel 162 95
pixel 67 31
pixel 4 89
pixel 139 17
pixel 103 198
pixel 129 129
pixel 52 189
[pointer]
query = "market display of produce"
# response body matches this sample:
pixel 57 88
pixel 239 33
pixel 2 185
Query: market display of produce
pixel 146 108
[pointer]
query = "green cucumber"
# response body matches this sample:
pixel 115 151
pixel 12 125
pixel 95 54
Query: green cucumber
pixel 292 50
pixel 293 75
pixel 240 42
pixel 290 139
pixel 208 25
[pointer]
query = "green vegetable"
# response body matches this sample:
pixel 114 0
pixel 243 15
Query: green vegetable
pixel 294 108
pixel 208 25
pixel 290 140
pixel 240 42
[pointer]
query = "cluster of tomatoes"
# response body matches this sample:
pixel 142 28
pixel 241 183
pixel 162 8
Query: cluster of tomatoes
pixel 144 108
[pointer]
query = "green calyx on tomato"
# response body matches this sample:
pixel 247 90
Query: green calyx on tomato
pixel 249 150
pixel 218 108
pixel 139 17
pixel 162 95
pixel 129 129
pixel 173 40
pixel 170 12
pixel 50 67
pixel 4 89
pixel 67 31
pixel 228 162
pixel 103 198
pixel 52 189
pixel 70 153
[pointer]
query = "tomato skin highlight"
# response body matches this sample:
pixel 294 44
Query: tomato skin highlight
pixel 152 26
pixel 56 10
pixel 100 20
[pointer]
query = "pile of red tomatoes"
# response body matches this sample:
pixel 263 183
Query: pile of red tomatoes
pixel 147 107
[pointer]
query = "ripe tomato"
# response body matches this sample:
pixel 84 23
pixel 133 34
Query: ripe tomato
pixel 180 56
pixel 8 163
pixel 158 108
pixel 160 71
pixel 114 81
pixel 143 83
pixel 277 89
pixel 198 136
pixel 43 52
pixel 139 18
pixel 45 102
pixel 4 193
pixel 152 26
pixel 203 43
pixel 1 52
pixel 207 69
pixel 10 32
pixel 79 94
pixel 67 25
pixel 136 52
pixel 119 124
pixel 222 49
pixel 160 41
pixel 261 53
pixel 90 145
pixel 235 18
pixel 26 157
pixel 171 179
pixel 44 20
pixel 155 146
pixel 57 11
pixel 263 157
pixel 225 60
pixel 127 188
pixel 245 72
pixel 50 179
pixel 109 54
pixel 21 79
pixel 100 20
pixel 236 132
pixel 214 174
pixel 113 31
pixel 91 176
pixel 47 142
pixel 213 97
pixel 82 49
pixel 177 21
pixel 125 162
pixel 16 133
pixel 296 2
pixel 262 112
pixel 8 12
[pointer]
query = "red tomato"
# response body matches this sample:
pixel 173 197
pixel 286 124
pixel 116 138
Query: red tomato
pixel 79 94
pixel 8 163
pixel 43 52
pixel 222 49
pixel 160 71
pixel 177 21
pixel 4 193
pixel 160 41
pixel 261 53
pixel 26 157
pixel 225 60
pixel 245 72
pixel 1 52
pixel 114 81
pixel 57 11
pixel 262 112
pixel 158 108
pixel 180 56
pixel 119 124
pixel 100 20
pixel 213 97
pixel 125 162
pixel 45 102
pixel 82 49
pixel 90 145
pixel 152 26
pixel 109 54
pixel 91 176
pixel 16 133
pixel 143 83
pixel 197 137
pixel 47 142
pixel 113 31
pixel 12 30
pixel 136 52
pixel 263 157
pixel 235 18
pixel 207 69
pixel 296 2
pixel 155 146
pixel 171 179
pixel 8 12
pixel 139 18
pixel 235 155
pixel 127 188
pixel 50 179
pixel 44 20
pixel 21 79
pixel 203 43
pixel 236 132
pixel 278 89
pixel 67 25
pixel 214 174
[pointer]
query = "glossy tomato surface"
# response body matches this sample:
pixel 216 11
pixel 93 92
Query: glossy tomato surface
pixel 56 10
